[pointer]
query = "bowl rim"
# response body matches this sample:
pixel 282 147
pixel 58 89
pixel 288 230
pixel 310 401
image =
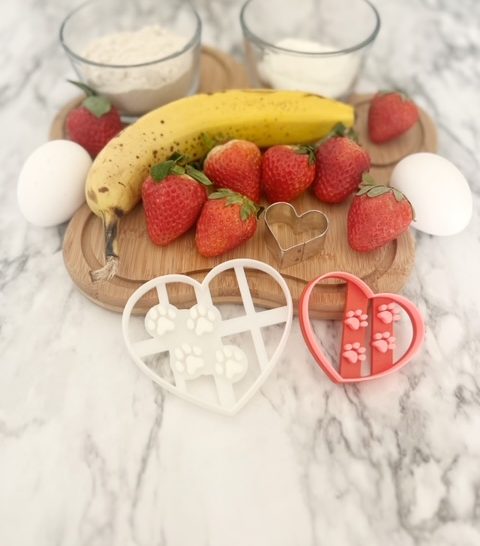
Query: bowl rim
pixel 254 37
pixel 194 41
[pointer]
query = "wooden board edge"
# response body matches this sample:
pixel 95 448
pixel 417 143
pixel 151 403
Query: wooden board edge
pixel 79 271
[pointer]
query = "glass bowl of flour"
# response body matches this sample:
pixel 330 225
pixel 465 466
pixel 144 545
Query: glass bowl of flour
pixel 140 55
pixel 317 46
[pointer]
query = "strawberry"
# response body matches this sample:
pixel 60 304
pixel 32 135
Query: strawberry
pixel 235 165
pixel 390 115
pixel 377 215
pixel 172 199
pixel 341 163
pixel 287 171
pixel 93 123
pixel 227 220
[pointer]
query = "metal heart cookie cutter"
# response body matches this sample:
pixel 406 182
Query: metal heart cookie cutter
pixel 311 220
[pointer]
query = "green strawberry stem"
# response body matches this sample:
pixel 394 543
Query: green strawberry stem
pixel 160 171
pixel 372 189
pixel 368 180
pixel 96 104
pixel 84 87
pixel 199 176
pixel 247 206
pixel 305 149
pixel 339 130
pixel 209 141
pixel 177 157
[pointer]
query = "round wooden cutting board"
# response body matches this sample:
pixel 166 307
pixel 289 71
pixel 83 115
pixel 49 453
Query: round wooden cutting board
pixel 385 270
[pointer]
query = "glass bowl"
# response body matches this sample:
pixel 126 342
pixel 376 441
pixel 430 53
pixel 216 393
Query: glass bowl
pixel 317 46
pixel 138 73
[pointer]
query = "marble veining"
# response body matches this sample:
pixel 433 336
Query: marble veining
pixel 91 453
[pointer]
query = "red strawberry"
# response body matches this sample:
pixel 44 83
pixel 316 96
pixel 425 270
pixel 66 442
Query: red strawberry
pixel 172 200
pixel 287 171
pixel 236 166
pixel 93 123
pixel 378 215
pixel 227 220
pixel 341 163
pixel 390 115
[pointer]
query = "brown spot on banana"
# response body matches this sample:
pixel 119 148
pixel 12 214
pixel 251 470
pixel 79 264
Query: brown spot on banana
pixel 92 196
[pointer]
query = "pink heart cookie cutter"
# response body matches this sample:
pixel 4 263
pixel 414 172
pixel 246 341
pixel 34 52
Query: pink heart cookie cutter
pixel 363 308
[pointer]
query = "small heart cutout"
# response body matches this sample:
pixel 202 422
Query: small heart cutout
pixel 293 237
pixel 384 313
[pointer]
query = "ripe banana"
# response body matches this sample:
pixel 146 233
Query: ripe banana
pixel 266 117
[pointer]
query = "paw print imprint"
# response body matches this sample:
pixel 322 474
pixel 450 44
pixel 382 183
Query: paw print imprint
pixel 160 320
pixel 354 352
pixel 188 360
pixel 230 362
pixel 388 313
pixel 201 319
pixel 383 342
pixel 356 319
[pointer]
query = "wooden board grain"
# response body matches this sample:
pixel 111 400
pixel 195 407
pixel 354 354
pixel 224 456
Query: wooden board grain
pixel 385 269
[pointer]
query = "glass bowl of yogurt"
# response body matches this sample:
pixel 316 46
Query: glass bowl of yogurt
pixel 317 46
pixel 140 55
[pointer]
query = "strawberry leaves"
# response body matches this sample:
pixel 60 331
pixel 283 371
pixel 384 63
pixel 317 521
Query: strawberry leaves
pixel 398 195
pixel 162 170
pixel 247 207
pixel 175 165
pixel 209 141
pixel 370 188
pixel 304 150
pixel 197 175
pixel 339 130
pixel 96 104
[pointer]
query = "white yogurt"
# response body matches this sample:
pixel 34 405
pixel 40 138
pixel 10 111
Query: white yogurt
pixel 332 76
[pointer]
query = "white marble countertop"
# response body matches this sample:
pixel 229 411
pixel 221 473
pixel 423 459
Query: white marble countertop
pixel 91 453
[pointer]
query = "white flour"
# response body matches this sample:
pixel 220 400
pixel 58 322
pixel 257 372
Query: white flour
pixel 330 76
pixel 136 90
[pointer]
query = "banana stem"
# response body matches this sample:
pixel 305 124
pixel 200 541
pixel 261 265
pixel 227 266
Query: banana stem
pixel 109 270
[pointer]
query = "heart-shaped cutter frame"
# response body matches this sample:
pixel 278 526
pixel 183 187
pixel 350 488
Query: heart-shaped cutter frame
pixel 285 213
pixel 358 292
pixel 252 322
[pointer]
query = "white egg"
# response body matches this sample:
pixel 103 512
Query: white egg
pixel 438 192
pixel 51 185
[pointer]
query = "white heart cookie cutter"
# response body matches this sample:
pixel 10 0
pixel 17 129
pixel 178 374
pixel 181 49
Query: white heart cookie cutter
pixel 193 337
